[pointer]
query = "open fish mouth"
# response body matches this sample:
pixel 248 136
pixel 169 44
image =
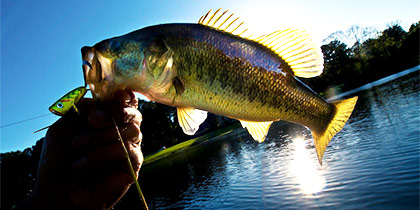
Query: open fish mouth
pixel 97 71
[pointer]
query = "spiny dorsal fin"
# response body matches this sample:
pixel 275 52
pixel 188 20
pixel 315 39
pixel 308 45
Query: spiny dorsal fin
pixel 294 46
pixel 224 21
pixel 190 119
pixel 258 130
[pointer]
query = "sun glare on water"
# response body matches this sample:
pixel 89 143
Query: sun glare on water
pixel 305 169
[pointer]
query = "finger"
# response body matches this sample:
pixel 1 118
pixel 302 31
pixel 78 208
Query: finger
pixel 122 99
pixel 86 103
pixel 113 187
pixel 106 154
pixel 72 123
pixel 125 98
pixel 84 106
pixel 103 118
pixel 112 157
pixel 68 126
pixel 136 155
pixel 127 115
pixel 129 132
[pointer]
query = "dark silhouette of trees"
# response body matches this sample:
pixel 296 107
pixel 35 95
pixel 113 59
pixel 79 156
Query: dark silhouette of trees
pixel 18 173
pixel 392 51
pixel 355 34
pixel 160 126
pixel 338 65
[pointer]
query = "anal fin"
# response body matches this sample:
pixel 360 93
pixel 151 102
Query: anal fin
pixel 258 130
pixel 190 119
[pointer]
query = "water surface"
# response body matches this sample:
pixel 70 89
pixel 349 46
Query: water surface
pixel 373 163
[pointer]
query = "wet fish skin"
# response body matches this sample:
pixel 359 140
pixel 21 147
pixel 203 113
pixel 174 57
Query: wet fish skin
pixel 220 72
pixel 200 67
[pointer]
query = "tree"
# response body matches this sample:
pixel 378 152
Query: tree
pixel 18 173
pixel 383 54
pixel 355 34
pixel 410 47
pixel 369 59
pixel 338 67
pixel 159 127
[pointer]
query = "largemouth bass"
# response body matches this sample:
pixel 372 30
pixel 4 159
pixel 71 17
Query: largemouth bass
pixel 212 66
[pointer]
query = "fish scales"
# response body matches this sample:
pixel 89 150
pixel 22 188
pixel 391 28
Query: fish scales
pixel 228 78
pixel 197 67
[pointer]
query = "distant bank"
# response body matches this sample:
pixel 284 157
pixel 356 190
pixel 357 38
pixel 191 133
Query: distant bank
pixel 375 83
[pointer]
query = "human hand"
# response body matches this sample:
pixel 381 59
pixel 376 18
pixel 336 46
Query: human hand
pixel 82 164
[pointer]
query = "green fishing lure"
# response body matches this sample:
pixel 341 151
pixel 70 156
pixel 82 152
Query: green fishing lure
pixel 63 105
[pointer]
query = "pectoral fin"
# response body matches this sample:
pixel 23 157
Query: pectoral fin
pixel 190 119
pixel 258 130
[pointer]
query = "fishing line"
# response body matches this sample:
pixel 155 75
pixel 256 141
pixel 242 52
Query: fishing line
pixel 74 96
pixel 127 157
pixel 22 121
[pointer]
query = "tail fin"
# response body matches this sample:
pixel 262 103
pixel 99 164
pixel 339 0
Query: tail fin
pixel 344 108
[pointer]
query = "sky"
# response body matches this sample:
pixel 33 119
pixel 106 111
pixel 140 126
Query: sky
pixel 41 41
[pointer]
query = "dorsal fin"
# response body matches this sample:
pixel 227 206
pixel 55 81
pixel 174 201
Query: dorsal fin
pixel 294 46
pixel 224 21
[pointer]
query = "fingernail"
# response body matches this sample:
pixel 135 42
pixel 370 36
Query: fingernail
pixel 127 96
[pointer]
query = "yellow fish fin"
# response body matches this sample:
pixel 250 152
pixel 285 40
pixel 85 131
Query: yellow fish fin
pixel 294 46
pixel 224 21
pixel 344 108
pixel 258 130
pixel 190 119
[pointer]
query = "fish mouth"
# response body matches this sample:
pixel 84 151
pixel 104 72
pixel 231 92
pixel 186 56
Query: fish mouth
pixel 97 72
pixel 55 112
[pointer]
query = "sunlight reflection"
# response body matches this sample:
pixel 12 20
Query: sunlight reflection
pixel 305 169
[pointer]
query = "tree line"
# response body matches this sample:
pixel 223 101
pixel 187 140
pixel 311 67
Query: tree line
pixel 370 59
pixel 392 51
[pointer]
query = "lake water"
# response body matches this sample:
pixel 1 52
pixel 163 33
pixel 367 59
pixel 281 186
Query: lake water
pixel 373 163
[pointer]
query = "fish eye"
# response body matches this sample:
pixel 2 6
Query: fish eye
pixel 60 105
